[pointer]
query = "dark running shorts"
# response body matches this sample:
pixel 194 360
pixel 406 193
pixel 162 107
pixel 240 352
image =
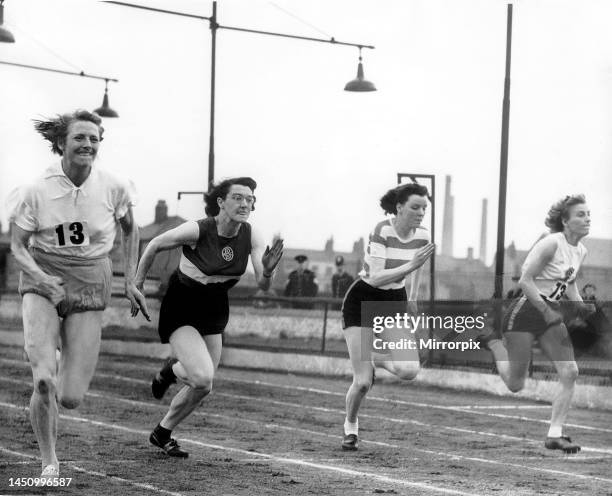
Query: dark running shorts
pixel 87 281
pixel 189 303
pixel 361 292
pixel 522 316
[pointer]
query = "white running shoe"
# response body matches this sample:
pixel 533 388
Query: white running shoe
pixel 50 472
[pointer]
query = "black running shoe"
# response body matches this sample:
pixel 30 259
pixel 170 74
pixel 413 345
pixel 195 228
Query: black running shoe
pixel 163 379
pixel 350 442
pixel 563 443
pixel 170 446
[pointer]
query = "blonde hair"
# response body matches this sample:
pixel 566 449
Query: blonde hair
pixel 559 211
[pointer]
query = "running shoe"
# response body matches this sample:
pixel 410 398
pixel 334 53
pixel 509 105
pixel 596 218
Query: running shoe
pixel 163 379
pixel 170 446
pixel 563 443
pixel 49 473
pixel 350 442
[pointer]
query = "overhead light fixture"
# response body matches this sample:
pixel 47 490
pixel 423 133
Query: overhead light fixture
pixel 105 110
pixel 360 83
pixel 5 35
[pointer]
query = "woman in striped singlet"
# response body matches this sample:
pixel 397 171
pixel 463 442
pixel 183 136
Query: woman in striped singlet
pixel 548 277
pixel 195 309
pixel 398 246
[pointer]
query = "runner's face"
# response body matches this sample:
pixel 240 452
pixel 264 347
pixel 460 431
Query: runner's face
pixel 410 214
pixel 238 202
pixel 81 144
pixel 579 220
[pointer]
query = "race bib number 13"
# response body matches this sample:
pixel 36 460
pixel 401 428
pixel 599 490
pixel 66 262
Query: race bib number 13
pixel 558 291
pixel 72 234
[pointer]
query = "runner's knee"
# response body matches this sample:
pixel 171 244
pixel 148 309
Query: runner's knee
pixel 516 384
pixel 362 385
pixel 408 371
pixel 45 385
pixel 70 401
pixel 568 373
pixel 201 382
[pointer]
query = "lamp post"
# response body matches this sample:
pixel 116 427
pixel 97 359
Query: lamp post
pixel 503 175
pixel 359 84
pixel 5 35
pixel 103 111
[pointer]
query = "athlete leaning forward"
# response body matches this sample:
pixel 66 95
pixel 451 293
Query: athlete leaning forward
pixel 397 247
pixel 63 226
pixel 548 282
pixel 195 308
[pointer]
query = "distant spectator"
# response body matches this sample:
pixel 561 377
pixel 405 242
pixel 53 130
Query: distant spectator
pixel 588 293
pixel 341 280
pixel 302 282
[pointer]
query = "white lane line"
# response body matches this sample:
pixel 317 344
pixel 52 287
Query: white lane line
pixel 502 407
pixel 278 459
pixel 277 426
pixel 415 404
pixel 363 415
pixel 148 487
pixel 462 409
pixel 418 423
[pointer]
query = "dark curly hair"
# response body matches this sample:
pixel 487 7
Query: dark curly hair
pixel 55 130
pixel 400 194
pixel 221 190
pixel 560 212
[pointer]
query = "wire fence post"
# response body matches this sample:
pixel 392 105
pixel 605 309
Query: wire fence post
pixel 325 308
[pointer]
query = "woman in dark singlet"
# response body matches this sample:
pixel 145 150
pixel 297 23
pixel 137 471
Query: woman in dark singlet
pixel 195 309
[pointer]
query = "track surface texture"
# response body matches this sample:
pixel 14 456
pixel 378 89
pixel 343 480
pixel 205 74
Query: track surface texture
pixel 279 434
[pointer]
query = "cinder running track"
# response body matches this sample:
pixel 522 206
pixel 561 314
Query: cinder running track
pixel 279 434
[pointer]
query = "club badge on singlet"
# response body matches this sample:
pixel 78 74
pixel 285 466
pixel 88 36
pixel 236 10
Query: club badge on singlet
pixel 227 253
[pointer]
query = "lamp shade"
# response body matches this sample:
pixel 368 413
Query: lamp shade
pixel 5 35
pixel 360 83
pixel 105 110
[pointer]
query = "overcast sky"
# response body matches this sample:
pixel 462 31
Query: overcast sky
pixel 322 156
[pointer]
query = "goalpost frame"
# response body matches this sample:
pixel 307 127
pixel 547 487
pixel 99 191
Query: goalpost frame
pixel 432 261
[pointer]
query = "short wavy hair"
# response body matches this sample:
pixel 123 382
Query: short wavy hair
pixel 221 190
pixel 55 129
pixel 400 194
pixel 559 211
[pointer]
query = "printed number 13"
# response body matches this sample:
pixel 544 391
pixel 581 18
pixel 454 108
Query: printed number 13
pixel 559 291
pixel 77 236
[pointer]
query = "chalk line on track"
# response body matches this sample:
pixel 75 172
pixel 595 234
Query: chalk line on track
pixel 418 404
pixel 378 443
pixel 265 456
pixel 468 409
pixel 148 487
pixel 365 415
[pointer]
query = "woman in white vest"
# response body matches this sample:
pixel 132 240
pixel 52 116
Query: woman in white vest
pixel 548 280
pixel 63 226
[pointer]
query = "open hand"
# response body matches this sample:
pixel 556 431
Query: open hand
pixel 137 300
pixel 53 288
pixel 272 256
pixel 423 254
pixel 552 317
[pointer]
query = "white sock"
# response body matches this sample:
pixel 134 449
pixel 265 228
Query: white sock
pixel 351 427
pixel 555 431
